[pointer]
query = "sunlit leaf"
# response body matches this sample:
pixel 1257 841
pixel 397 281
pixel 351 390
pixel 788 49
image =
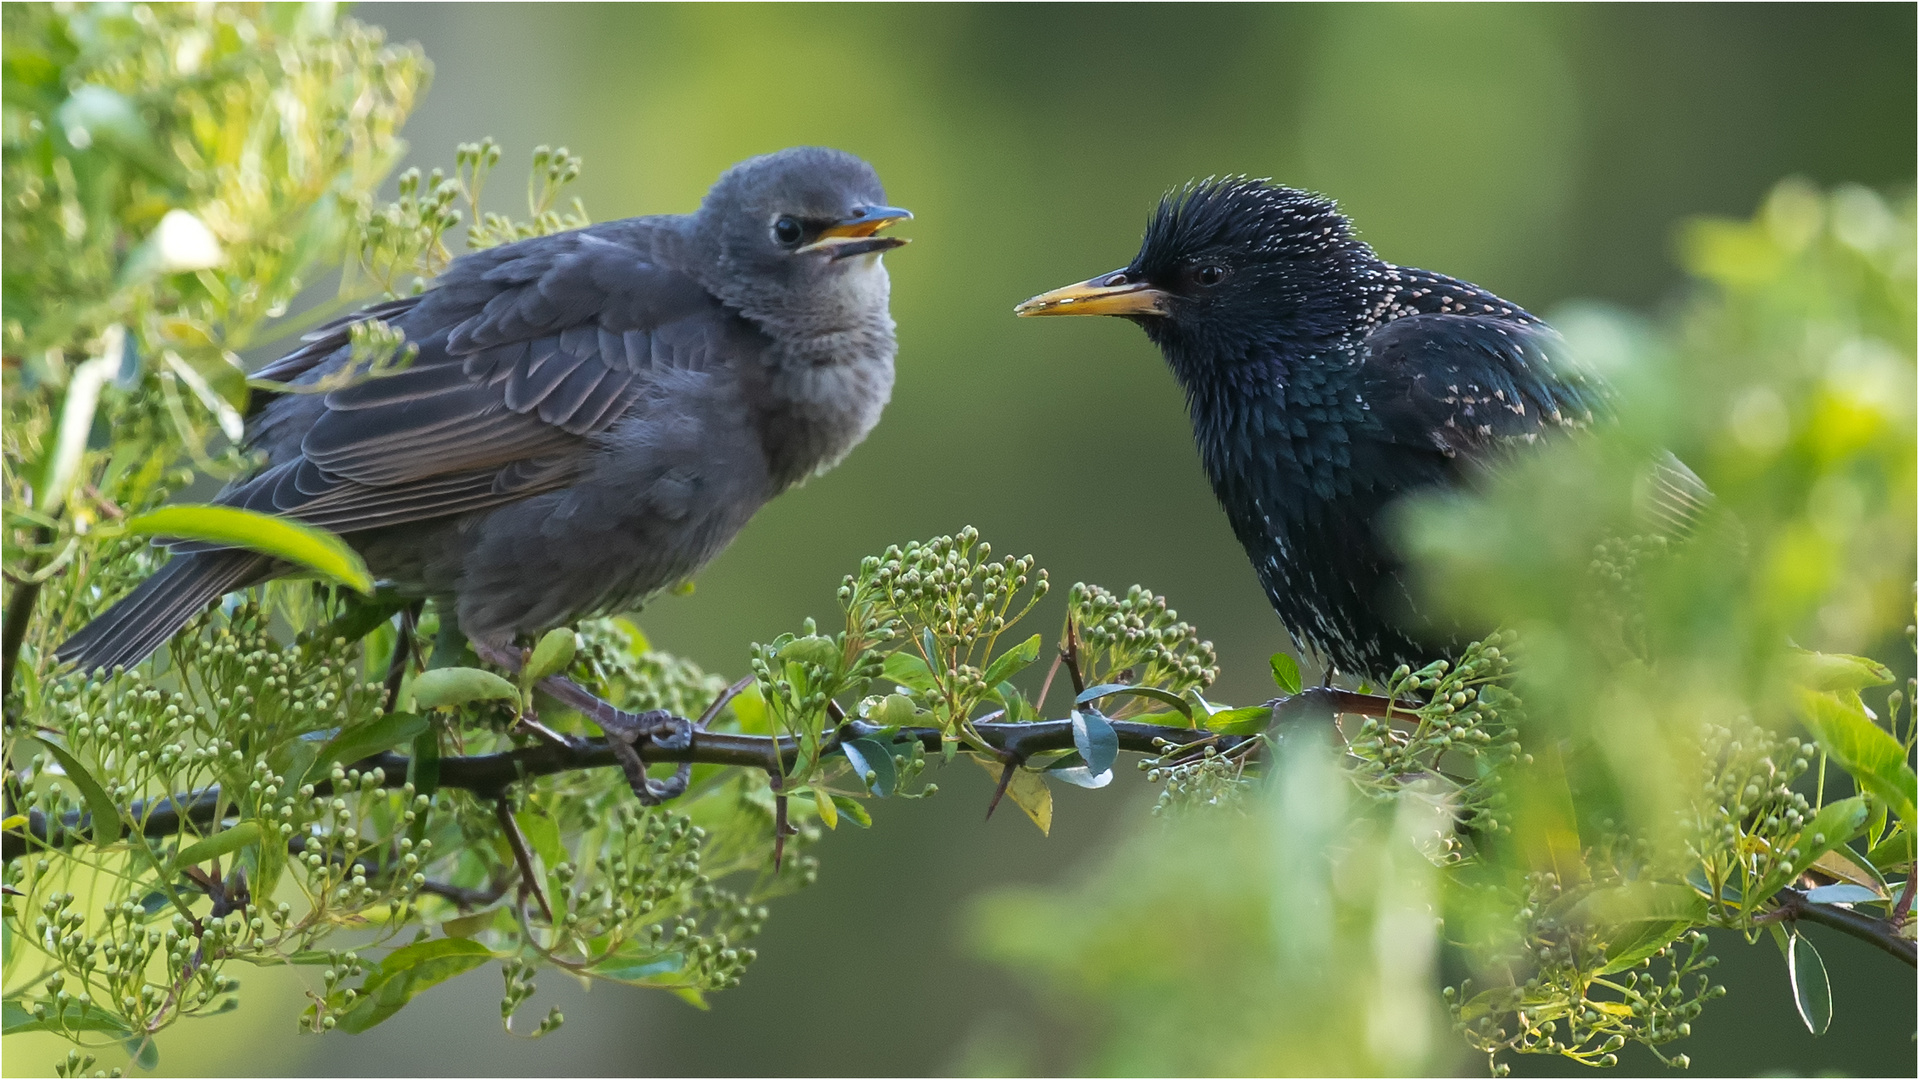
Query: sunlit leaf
pixel 1012 661
pixel 305 545
pixel 220 843
pixel 1864 749
pixel 552 655
pixel 1285 672
pixel 447 687
pixel 1811 991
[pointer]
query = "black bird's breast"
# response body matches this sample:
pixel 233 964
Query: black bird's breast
pixel 1307 446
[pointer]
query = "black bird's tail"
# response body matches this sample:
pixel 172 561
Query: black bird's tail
pixel 126 632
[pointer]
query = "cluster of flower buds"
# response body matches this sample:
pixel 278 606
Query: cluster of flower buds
pixel 1138 634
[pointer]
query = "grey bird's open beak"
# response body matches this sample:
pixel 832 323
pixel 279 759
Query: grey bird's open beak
pixel 856 235
pixel 1107 294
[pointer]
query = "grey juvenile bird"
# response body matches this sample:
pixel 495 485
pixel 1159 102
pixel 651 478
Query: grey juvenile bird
pixel 591 417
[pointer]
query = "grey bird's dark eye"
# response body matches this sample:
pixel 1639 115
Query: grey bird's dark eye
pixel 788 231
pixel 1209 274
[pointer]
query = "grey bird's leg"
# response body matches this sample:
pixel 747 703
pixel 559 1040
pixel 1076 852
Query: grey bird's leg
pixel 624 730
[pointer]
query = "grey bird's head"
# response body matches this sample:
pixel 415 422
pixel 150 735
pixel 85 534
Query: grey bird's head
pixel 793 240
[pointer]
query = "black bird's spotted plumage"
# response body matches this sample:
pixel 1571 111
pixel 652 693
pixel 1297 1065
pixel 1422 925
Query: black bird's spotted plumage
pixel 1323 385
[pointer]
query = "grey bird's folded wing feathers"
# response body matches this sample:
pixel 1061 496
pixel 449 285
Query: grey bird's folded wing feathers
pixel 523 358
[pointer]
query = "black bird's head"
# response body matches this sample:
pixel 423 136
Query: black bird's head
pixel 1230 267
pixel 793 237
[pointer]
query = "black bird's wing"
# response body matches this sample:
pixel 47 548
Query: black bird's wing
pixel 1474 386
pixel 525 354
pixel 1470 386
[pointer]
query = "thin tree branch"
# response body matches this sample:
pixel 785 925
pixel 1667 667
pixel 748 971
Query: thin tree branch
pixel 1880 933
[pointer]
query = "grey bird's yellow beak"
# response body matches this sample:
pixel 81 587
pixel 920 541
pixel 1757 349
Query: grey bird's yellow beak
pixel 856 235
pixel 1107 294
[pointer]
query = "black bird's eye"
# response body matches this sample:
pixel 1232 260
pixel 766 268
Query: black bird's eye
pixel 788 231
pixel 1209 274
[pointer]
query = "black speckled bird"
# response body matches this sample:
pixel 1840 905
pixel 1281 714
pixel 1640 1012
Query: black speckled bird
pixel 591 417
pixel 1323 384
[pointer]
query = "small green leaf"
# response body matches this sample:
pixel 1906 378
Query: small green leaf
pixel 828 814
pixel 1835 824
pixel 1844 893
pixel 107 825
pixel 283 538
pixel 447 687
pixel 638 968
pixel 542 835
pixel 406 972
pixel 1095 740
pixel 1104 690
pixel 1837 671
pixel 365 740
pixel 1012 661
pixel 77 1016
pixel 1249 720
pixel 851 808
pixel 220 843
pixel 905 669
pixel 1811 990
pixel 868 756
pixel 812 649
pixel 1286 672
pixel 551 656
pixel 144 1051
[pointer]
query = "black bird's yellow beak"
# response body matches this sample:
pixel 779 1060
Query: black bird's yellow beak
pixel 856 235
pixel 1107 294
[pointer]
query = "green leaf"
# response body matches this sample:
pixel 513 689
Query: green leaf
pixel 1030 793
pixel 447 687
pixel 1843 893
pixel 105 814
pixel 60 462
pixel 145 1051
pixel 365 740
pixel 1836 671
pixel 551 656
pixel 1835 824
pixel 1811 990
pixel 1894 851
pixel 1248 720
pixel 1012 661
pixel 812 649
pixel 283 538
pixel 220 843
pixel 1095 740
pixel 542 835
pixel 1640 919
pixel 905 669
pixel 1104 690
pixel 1875 759
pixel 828 813
pixel 468 925
pixel 851 808
pixel 406 972
pixel 868 756
pixel 638 969
pixel 78 1016
pixel 1286 672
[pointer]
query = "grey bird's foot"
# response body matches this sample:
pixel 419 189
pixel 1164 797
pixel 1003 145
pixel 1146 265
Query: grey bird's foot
pixel 625 731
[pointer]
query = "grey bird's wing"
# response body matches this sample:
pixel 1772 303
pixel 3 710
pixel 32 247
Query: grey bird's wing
pixel 525 353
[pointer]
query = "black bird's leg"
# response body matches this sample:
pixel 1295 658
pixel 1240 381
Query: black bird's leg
pixel 624 730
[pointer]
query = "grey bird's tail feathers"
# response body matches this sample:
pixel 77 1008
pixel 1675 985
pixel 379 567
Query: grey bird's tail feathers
pixel 132 628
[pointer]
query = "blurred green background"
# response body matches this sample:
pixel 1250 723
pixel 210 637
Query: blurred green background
pixel 1544 152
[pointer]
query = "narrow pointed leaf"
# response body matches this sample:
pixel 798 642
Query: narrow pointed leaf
pixel 105 814
pixel 1811 991
pixel 1012 661
pixel 220 843
pixel 283 538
